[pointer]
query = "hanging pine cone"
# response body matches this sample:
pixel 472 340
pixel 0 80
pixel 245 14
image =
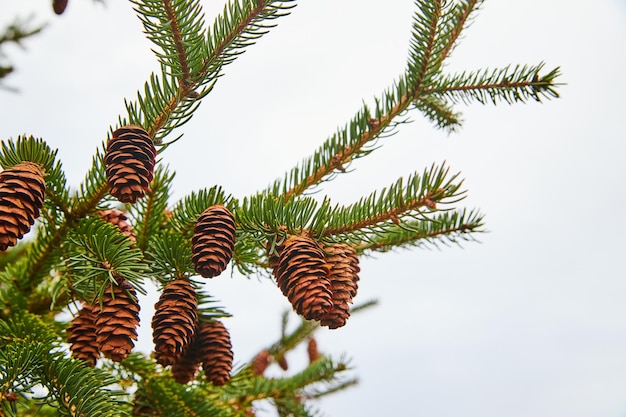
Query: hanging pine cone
pixel 130 158
pixel 118 218
pixel 213 241
pixel 174 321
pixel 187 365
pixel 81 335
pixel 301 274
pixel 59 6
pixel 311 349
pixel 260 363
pixel 22 191
pixel 117 321
pixel 216 352
pixel 344 278
pixel 282 362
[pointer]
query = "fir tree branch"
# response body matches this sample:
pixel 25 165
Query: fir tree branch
pixel 170 100
pixel 425 22
pixel 149 213
pixel 439 112
pixel 349 143
pixel 448 227
pixel 389 206
pixel 508 84
pixel 459 19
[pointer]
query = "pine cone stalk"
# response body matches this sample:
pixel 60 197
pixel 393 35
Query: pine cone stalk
pixel 22 192
pixel 174 321
pixel 213 241
pixel 130 158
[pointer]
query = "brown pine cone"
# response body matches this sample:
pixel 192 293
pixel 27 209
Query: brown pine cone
pixel 344 278
pixel 117 321
pixel 174 321
pixel 130 158
pixel 301 274
pixel 81 335
pixel 312 351
pixel 282 362
pixel 118 218
pixel 260 363
pixel 59 6
pixel 213 241
pixel 216 352
pixel 187 365
pixel 22 192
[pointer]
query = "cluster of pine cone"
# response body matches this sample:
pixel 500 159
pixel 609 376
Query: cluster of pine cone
pixel 181 339
pixel 184 342
pixel 319 282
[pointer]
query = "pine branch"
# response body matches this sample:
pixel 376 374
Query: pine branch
pixel 149 213
pixel 440 113
pixel 423 60
pixel 508 84
pixel 455 21
pixel 354 141
pixel 101 256
pixel 82 391
pixel 170 257
pixel 444 228
pixel 389 207
pixel 190 63
pixel 169 398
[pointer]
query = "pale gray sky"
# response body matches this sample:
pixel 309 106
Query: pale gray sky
pixel 530 322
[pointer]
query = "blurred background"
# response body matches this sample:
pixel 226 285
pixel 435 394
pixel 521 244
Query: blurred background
pixel 529 321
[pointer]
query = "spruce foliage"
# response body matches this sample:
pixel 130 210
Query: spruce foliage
pixel 74 256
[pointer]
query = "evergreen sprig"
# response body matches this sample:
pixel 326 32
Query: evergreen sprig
pixel 510 84
pixel 410 198
pixel 443 228
pixel 170 257
pixel 101 256
pixel 186 212
pixel 150 214
pixel 31 355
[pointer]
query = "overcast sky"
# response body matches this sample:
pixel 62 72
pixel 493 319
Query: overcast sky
pixel 529 322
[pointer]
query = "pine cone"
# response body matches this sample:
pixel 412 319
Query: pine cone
pixel 213 241
pixel 260 363
pixel 118 218
pixel 174 321
pixel 130 158
pixel 312 351
pixel 343 277
pixel 81 335
pixel 117 321
pixel 282 362
pixel 59 6
pixel 187 365
pixel 301 275
pixel 216 352
pixel 22 191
